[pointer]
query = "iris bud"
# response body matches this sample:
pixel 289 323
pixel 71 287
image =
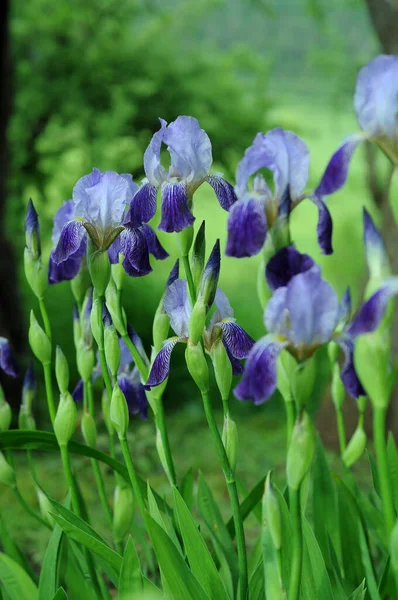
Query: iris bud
pixel 7 473
pixel 160 328
pixel 286 368
pixel 301 451
pixel 36 274
pixel 123 511
pixel 96 320
pixel 185 239
pixel 333 352
pixel 45 507
pixel 222 368
pixel 394 547
pixel 100 270
pixel 105 408
pixel 161 453
pixel 272 513
pixel 85 359
pixel 338 389
pixel 303 381
pixel 210 276
pixel 371 359
pixel 77 330
pixel 117 313
pixel 32 231
pixel 230 441
pixel 25 419
pixel 89 429
pixel 198 255
pixel 119 413
pixel 5 416
pixel 61 371
pixel 118 273
pixel 65 419
pixel 81 283
pixel 197 366
pixel 197 321
pixel 112 349
pixel 355 448
pixel 38 340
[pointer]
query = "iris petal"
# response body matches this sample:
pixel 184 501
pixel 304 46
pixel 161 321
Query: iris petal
pixel 69 242
pixel 177 305
pixel 176 215
pixel 161 365
pixel 247 227
pixel 238 342
pixel 224 191
pixel 7 361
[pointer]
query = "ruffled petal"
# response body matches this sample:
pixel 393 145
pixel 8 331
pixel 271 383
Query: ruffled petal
pixel 7 360
pixel 142 206
pixel 108 201
pixel 336 172
pixel 65 271
pixel 153 169
pixel 325 226
pixel 284 265
pixel 348 373
pixel 70 241
pixel 247 228
pixel 237 367
pixel 154 246
pixel 176 304
pixel 134 246
pixel 176 215
pixel 161 365
pixel 224 191
pixel 64 214
pixel 260 377
pixel 238 342
pixel 371 313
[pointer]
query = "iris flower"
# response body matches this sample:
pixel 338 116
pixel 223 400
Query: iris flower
pixel 8 363
pixel 101 208
pixel 302 315
pixel 189 147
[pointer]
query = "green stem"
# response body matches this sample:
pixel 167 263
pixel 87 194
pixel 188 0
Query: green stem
pixel 139 361
pixel 341 430
pixel 379 423
pixel 297 543
pixel 46 320
pixel 49 391
pixel 233 495
pixel 290 419
pixel 188 274
pixel 132 475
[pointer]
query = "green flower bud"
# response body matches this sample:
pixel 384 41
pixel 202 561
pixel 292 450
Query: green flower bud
pixel 100 270
pixel 198 255
pixel 394 547
pixel 95 321
pixel 222 368
pixel 230 441
pixel 65 419
pixel 5 416
pixel 7 473
pixel 371 359
pixel 89 429
pixel 61 371
pixel 272 513
pixel 184 240
pixel 123 511
pixel 210 276
pixel 36 274
pixel 303 381
pixel 112 303
pixel 25 418
pixel 112 349
pixel 301 451
pixel 38 340
pixel 81 283
pixel 45 507
pixel 161 453
pixel 338 389
pixel 85 359
pixel 119 413
pixel 160 328
pixel 197 321
pixel 355 448
pixel 105 408
pixel 118 273
pixel 197 366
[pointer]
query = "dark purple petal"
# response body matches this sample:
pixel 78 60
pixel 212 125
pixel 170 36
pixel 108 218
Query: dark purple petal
pixel 336 172
pixel 224 191
pixel 376 255
pixel 176 215
pixel 134 246
pixel 247 228
pixel 371 313
pixel 65 271
pixel 348 374
pixel 154 246
pixel 32 229
pixel 325 226
pixel 7 361
pixel 238 342
pixel 211 273
pixel 135 396
pixel 142 206
pixel 137 341
pixel 173 276
pixel 237 367
pixel 176 304
pixel 284 265
pixel 259 379
pixel 70 241
pixel 78 392
pixel 285 204
pixel 113 251
pixel 161 365
pixel 153 169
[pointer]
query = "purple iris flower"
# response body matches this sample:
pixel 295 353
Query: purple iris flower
pixel 222 325
pixel 101 208
pixel 376 107
pixel 259 209
pixel 8 363
pixel 189 147
pixel 303 314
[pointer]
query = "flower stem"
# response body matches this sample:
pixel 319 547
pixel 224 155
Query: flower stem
pixel 49 391
pixel 233 495
pixel 290 419
pixel 297 555
pixel 132 475
pixel 188 274
pixel 341 430
pixel 46 320
pixel 379 423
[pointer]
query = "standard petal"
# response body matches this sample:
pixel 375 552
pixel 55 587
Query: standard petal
pixel 348 373
pixel 134 246
pixel 276 316
pixel 161 365
pixel 247 227
pixel 376 254
pixel 369 316
pixel 324 228
pixel 135 396
pixel 176 304
pixel 70 241
pixel 142 206
pixel 64 214
pixel 190 150
pixel 84 205
pixel 224 191
pixel 7 361
pixel 65 271
pixel 176 215
pixel 154 246
pixel 153 169
pixel 238 342
pixel 336 172
pixel 284 265
pixel 259 379
pixel 253 160
pixel 108 199
pixel 132 185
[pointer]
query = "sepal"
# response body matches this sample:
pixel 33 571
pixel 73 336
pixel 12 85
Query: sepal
pixel 222 368
pixel 38 340
pixel 61 371
pixel 35 273
pixel 100 270
pixel 65 419
pixel 119 413
pixel 230 441
pixel 301 451
pixel 112 349
pixel 89 429
pixel 197 366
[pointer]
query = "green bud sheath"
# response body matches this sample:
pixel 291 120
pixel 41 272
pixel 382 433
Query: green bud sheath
pixel 117 314
pixel 105 408
pixel 95 322
pixel 25 419
pixel 45 507
pixel 85 359
pixel 338 389
pixel 36 274
pixel 362 403
pixel 198 255
pixel 286 367
pixel 5 416
pixel 38 340
pixel 355 448
pixel 272 513
pixel 7 474
pixel 65 419
pixel 123 511
pixel 160 328
pixel 197 366
pixel 81 283
pixel 333 352
pixel 394 548
pixel 185 239
pixel 230 441
pixel 197 321
pixel 301 451
pixel 371 359
pixel 222 368
pixel 119 413
pixel 100 270
pixel 303 381
pixel 61 371
pixel 112 349
pixel 161 453
pixel 89 429
pixel 118 273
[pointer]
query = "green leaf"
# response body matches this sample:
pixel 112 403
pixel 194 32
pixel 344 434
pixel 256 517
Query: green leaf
pixel 359 593
pixel 349 519
pixel 373 470
pixel 286 535
pixel 199 557
pixel 77 577
pixel 60 594
pixel 130 581
pixel 368 566
pixel 392 458
pixel 272 576
pixel 48 583
pixel 244 492
pixel 180 579
pixel 186 488
pixel 256 583
pixel 15 581
pixel 315 578
pixel 162 520
pixel 12 550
